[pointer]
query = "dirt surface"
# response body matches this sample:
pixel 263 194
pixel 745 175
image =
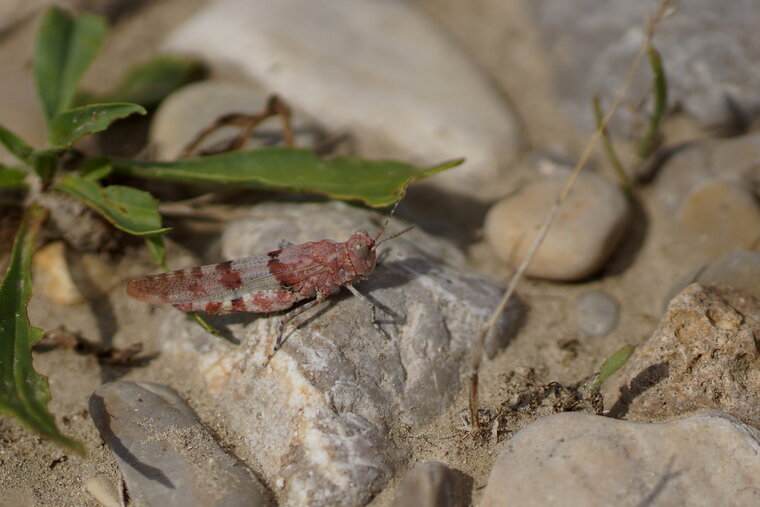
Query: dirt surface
pixel 549 348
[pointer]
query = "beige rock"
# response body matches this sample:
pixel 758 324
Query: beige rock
pixel 589 226
pixel 383 71
pixel 717 217
pixel 709 458
pixel 702 355
pixel 70 281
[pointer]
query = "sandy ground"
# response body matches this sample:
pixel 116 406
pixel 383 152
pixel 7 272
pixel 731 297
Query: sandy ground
pixel 34 471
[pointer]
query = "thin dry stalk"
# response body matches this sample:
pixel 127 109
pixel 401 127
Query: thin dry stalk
pixel 247 122
pixel 477 349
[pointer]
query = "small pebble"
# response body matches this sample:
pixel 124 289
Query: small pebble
pixel 596 313
pixel 165 454
pixel 590 224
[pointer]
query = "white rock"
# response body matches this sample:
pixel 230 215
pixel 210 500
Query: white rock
pixel 709 458
pixel 381 70
pixel 590 224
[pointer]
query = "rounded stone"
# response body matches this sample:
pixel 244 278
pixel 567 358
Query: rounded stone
pixel 589 226
pixel 717 217
pixel 596 313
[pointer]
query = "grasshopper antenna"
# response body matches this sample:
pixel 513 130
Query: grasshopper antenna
pixel 388 219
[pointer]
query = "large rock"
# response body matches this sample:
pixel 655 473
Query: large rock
pixel 317 416
pixel 703 355
pixel 573 459
pixel 382 71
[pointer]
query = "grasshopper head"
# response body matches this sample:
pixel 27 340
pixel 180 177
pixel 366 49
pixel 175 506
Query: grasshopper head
pixel 362 252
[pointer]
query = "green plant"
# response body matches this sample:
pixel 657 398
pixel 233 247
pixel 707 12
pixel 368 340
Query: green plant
pixel 66 46
pixel 610 366
pixel 649 141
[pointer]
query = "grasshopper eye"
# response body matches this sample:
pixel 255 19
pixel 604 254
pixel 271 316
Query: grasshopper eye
pixel 361 250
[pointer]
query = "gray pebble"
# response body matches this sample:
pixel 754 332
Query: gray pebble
pixel 596 313
pixel 165 454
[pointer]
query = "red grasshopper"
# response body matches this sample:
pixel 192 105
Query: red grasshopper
pixel 269 282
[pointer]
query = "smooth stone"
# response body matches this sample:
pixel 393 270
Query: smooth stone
pixel 716 218
pixel 705 50
pixel 709 458
pixel 433 484
pixel 165 454
pixel 383 71
pixel 740 269
pixel 70 279
pixel 318 416
pixel 731 159
pixel 589 226
pixel 702 355
pixel 596 313
pixel 192 108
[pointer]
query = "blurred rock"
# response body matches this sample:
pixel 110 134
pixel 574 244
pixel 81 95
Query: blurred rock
pixel 382 71
pixel 731 159
pixel 318 415
pixel 570 459
pixel 706 51
pixel 703 355
pixel 715 218
pixel 740 269
pixel 596 313
pixel 432 484
pixel 589 226
pixel 165 454
pixel 70 281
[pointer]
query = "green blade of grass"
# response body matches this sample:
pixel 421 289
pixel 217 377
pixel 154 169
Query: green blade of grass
pixel 129 209
pixel 377 183
pixel 66 46
pixel 24 393
pixel 68 126
pixel 610 366
pixel 660 87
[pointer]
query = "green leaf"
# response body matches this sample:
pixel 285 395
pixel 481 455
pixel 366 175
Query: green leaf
pixel 150 82
pixel 66 46
pixel 66 127
pixel 11 178
pixel 157 250
pixel 610 366
pixel 16 145
pixel 127 208
pixel 24 393
pixel 375 182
